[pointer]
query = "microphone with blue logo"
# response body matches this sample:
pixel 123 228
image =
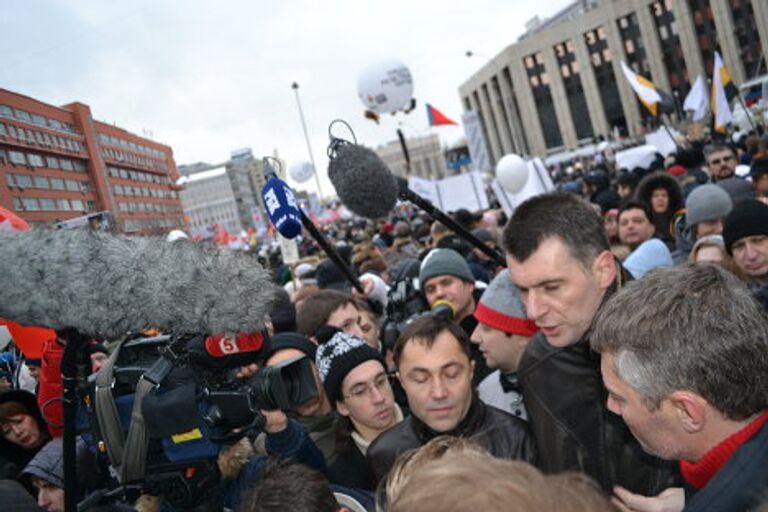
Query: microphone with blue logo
pixel 282 209
pixel 285 214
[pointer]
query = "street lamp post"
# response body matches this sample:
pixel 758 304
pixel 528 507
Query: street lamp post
pixel 517 145
pixel 295 87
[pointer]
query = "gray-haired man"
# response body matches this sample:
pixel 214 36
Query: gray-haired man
pixel 685 362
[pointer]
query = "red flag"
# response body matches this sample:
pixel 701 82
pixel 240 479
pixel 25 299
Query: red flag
pixel 436 118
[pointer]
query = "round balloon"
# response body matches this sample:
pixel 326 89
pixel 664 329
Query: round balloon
pixel 301 171
pixel 385 87
pixel 512 173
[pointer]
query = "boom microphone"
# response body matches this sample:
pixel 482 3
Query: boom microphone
pixel 364 183
pixel 367 187
pixel 105 285
pixel 282 210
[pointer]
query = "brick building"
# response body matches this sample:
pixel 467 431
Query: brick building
pixel 58 163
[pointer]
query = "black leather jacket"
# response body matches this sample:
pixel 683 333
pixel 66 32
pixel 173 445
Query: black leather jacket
pixel 502 434
pixel 566 402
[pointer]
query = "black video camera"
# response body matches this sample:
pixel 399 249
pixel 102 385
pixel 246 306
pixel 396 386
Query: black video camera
pixel 195 405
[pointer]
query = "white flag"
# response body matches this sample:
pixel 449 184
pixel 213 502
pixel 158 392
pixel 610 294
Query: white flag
pixel 697 99
pixel 645 90
pixel 721 107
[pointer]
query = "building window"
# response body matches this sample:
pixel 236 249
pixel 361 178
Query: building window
pixel 23 115
pixel 606 80
pixel 57 184
pixel 671 49
pixel 9 180
pixel 66 164
pixel 72 186
pixel 79 165
pixel 35 160
pixel 53 162
pixel 47 204
pixel 17 157
pixel 6 111
pixel 41 182
pixel 577 101
pixel 542 95
pixel 77 205
pixel 90 206
pixel 24 181
pixel 63 205
pixel 2 130
pixel 30 204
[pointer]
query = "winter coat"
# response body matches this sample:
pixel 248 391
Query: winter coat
pixel 502 434
pixel 644 192
pixel 740 484
pixel 574 431
pixel 492 393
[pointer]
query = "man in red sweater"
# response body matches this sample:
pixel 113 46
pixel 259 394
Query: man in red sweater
pixel 685 362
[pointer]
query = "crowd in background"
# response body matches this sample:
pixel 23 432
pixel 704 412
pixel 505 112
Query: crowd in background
pixel 502 400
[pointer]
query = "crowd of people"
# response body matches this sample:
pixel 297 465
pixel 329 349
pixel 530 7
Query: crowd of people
pixel 618 362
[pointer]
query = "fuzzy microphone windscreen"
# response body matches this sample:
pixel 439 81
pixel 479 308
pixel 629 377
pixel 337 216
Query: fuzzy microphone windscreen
pixel 364 183
pixel 106 285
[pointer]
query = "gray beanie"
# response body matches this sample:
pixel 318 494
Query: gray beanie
pixel 707 202
pixel 441 262
pixel 738 188
pixel 501 308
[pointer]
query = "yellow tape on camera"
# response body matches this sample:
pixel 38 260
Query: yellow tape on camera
pixel 187 436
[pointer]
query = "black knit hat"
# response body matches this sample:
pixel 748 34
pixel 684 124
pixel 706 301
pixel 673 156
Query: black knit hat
pixel 748 218
pixel 290 340
pixel 339 356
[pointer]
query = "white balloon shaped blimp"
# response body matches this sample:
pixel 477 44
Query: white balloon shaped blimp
pixel 512 173
pixel 301 171
pixel 385 87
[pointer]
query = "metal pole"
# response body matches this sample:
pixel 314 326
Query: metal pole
pixel 295 87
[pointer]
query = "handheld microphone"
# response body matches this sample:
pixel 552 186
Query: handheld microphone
pixel 443 309
pixel 105 285
pixel 281 206
pixel 288 228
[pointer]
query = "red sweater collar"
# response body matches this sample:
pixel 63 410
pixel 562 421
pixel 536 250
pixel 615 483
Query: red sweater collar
pixel 698 474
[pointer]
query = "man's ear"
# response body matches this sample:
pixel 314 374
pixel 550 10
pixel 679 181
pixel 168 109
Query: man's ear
pixel 342 408
pixel 691 410
pixel 605 269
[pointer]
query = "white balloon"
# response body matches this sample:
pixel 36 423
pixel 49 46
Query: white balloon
pixel 512 173
pixel 301 171
pixel 385 87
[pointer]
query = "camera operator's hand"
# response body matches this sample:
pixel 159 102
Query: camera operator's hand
pixel 277 421
pixel 246 372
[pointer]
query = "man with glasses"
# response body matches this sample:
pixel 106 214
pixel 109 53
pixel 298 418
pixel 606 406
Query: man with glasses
pixel 721 161
pixel 355 380
pixel 435 369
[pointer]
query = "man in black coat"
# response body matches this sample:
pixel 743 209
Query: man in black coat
pixel 435 369
pixel 559 258
pixel 685 364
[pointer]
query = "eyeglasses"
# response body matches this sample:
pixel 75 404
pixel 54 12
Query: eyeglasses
pixel 718 161
pixel 365 391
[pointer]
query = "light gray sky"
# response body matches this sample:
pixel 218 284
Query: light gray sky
pixel 208 77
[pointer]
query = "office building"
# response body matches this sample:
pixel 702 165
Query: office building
pixel 59 163
pixel 561 85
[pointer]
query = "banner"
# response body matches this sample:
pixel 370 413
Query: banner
pixel 453 193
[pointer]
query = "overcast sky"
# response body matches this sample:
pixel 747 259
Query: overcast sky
pixel 208 77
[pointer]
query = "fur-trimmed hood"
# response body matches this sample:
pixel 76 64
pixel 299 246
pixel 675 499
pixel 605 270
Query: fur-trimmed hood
pixel 656 180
